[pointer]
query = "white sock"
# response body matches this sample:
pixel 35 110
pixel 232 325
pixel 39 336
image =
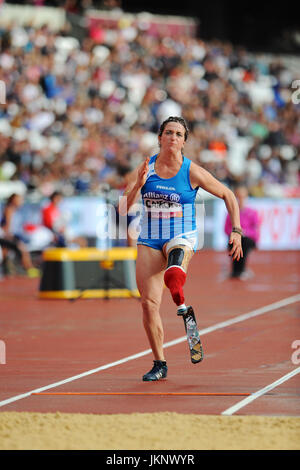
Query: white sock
pixel 182 307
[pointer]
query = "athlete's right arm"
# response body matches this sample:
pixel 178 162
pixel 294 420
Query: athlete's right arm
pixel 132 191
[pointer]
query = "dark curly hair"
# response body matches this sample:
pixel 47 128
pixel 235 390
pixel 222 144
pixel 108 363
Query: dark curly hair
pixel 180 120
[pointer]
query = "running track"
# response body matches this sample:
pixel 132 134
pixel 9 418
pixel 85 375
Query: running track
pixel 247 329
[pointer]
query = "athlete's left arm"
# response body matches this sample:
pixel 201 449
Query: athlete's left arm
pixel 200 177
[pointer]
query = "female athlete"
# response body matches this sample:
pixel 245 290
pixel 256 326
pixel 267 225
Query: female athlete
pixel 168 183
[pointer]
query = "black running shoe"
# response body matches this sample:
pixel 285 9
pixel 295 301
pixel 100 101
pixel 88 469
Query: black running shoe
pixel 158 371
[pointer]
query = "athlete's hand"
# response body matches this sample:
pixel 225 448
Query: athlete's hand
pixel 142 173
pixel 236 246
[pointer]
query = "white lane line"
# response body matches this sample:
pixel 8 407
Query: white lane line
pixel 75 377
pixel 217 326
pixel 233 409
pixel 243 317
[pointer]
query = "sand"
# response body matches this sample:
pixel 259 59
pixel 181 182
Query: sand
pixel 144 431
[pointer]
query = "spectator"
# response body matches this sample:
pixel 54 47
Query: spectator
pixel 53 219
pixel 250 226
pixel 83 107
pixel 11 239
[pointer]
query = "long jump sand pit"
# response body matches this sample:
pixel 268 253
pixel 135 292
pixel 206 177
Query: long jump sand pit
pixel 146 431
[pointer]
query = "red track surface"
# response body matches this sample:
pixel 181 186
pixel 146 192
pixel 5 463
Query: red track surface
pixel 51 340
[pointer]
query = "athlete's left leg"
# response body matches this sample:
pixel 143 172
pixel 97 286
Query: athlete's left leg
pixel 178 253
pixel 150 265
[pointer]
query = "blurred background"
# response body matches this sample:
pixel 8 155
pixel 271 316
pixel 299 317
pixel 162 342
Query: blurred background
pixel 84 86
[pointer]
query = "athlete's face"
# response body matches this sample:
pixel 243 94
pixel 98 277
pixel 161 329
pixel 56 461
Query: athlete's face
pixel 172 137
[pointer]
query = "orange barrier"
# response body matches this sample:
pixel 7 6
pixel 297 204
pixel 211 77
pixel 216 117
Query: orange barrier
pixel 201 394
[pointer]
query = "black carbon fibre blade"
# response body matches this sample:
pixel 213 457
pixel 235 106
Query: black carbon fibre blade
pixel 193 337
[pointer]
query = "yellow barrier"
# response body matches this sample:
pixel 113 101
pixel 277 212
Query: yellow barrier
pixel 88 273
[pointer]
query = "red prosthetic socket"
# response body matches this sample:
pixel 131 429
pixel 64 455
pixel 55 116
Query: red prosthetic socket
pixel 174 279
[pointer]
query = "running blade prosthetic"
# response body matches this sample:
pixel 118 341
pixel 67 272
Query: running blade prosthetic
pixel 192 333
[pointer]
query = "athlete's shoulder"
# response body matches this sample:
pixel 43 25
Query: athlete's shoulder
pixel 198 175
pixel 198 169
pixel 152 159
pixel 186 160
pixel 151 165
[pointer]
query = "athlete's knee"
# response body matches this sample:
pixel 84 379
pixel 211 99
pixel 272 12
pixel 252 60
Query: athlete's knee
pixel 150 306
pixel 151 315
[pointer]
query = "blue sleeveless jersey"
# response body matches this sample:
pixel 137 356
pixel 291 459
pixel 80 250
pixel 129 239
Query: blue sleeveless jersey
pixel 168 206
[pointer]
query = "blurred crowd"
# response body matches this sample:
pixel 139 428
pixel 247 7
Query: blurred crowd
pixel 73 6
pixel 79 115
